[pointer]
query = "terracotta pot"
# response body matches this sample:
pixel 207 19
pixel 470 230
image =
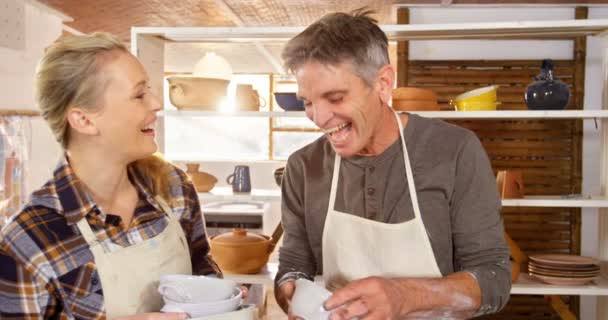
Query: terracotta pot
pixel 414 99
pixel 515 270
pixel 413 93
pixel 203 181
pixel 510 184
pixel 415 105
pixel 196 93
pixel 243 252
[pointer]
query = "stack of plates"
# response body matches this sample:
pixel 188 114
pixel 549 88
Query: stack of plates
pixel 563 269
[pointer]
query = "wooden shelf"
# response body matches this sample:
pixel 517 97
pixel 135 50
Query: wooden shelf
pixel 518 114
pixel 518 29
pixel 558 201
pixel 19 113
pixel 262 114
pixel 524 285
pixel 226 194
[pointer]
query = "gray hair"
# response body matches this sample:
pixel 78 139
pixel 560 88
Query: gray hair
pixel 341 37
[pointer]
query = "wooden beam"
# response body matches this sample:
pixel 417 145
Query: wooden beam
pixel 274 62
pixel 403 17
pixel 500 2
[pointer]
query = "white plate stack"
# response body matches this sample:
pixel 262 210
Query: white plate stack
pixel 204 298
pixel 563 269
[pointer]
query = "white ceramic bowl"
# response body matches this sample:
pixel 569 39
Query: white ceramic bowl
pixel 194 289
pixel 202 309
pixel 307 301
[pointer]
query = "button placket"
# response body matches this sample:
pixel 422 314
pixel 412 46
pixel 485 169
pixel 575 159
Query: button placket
pixel 371 203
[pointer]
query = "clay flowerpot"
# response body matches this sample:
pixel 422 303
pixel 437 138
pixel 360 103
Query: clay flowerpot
pixel 203 181
pixel 414 99
pixel 515 270
pixel 510 184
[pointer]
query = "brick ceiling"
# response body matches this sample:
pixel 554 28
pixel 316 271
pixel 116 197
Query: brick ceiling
pixel 117 16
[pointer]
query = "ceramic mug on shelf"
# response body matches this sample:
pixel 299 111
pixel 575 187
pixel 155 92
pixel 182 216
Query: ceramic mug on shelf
pixel 248 99
pixel 240 179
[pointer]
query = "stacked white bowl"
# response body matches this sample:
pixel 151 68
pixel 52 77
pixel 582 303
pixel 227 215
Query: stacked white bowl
pixel 199 296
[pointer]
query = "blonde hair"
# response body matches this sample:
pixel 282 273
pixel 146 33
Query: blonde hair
pixel 70 74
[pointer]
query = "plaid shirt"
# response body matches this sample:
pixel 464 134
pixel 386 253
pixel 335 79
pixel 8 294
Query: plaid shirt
pixel 46 267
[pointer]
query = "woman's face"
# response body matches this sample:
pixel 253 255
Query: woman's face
pixel 127 117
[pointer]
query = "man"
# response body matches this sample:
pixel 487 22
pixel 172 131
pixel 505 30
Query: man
pixel 400 236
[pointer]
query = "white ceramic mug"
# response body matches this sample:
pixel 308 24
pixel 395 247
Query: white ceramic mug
pixel 307 301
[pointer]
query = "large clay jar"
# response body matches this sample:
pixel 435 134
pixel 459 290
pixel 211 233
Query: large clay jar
pixel 547 93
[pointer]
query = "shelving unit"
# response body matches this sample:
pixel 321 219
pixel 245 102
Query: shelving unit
pixel 226 194
pixel 566 201
pixel 560 114
pixel 148 44
pixel 524 285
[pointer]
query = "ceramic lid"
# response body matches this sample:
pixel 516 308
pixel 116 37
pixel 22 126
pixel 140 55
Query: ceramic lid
pixel 213 66
pixel 239 236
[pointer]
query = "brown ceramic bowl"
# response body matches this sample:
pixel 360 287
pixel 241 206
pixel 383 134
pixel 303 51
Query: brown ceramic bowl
pixel 241 252
pixel 278 175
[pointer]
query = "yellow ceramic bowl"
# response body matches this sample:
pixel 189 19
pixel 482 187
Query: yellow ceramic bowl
pixel 478 99
pixel 465 105
pixel 484 94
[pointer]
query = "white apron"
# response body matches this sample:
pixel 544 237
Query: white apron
pixel 355 247
pixel 130 275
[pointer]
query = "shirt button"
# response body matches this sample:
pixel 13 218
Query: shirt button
pixel 371 169
pixel 94 281
pixel 371 191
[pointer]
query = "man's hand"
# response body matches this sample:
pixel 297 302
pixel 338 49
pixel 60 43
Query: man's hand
pixel 455 296
pixel 283 295
pixel 157 316
pixel 370 298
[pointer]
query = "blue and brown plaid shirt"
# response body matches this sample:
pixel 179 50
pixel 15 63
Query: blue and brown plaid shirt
pixel 46 267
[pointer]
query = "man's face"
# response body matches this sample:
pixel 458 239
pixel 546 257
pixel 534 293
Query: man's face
pixel 341 104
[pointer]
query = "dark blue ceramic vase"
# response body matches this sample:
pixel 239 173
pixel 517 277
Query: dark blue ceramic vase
pixel 547 93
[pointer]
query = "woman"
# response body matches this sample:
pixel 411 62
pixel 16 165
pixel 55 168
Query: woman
pixel 93 241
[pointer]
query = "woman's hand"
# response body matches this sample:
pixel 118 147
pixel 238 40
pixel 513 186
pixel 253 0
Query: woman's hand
pixel 156 316
pixel 244 291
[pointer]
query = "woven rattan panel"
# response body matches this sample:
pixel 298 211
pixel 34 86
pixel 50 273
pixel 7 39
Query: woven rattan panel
pixel 546 151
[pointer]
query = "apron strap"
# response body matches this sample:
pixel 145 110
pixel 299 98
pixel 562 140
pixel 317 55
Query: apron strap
pixel 409 175
pixel 165 206
pixel 334 183
pixel 86 231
